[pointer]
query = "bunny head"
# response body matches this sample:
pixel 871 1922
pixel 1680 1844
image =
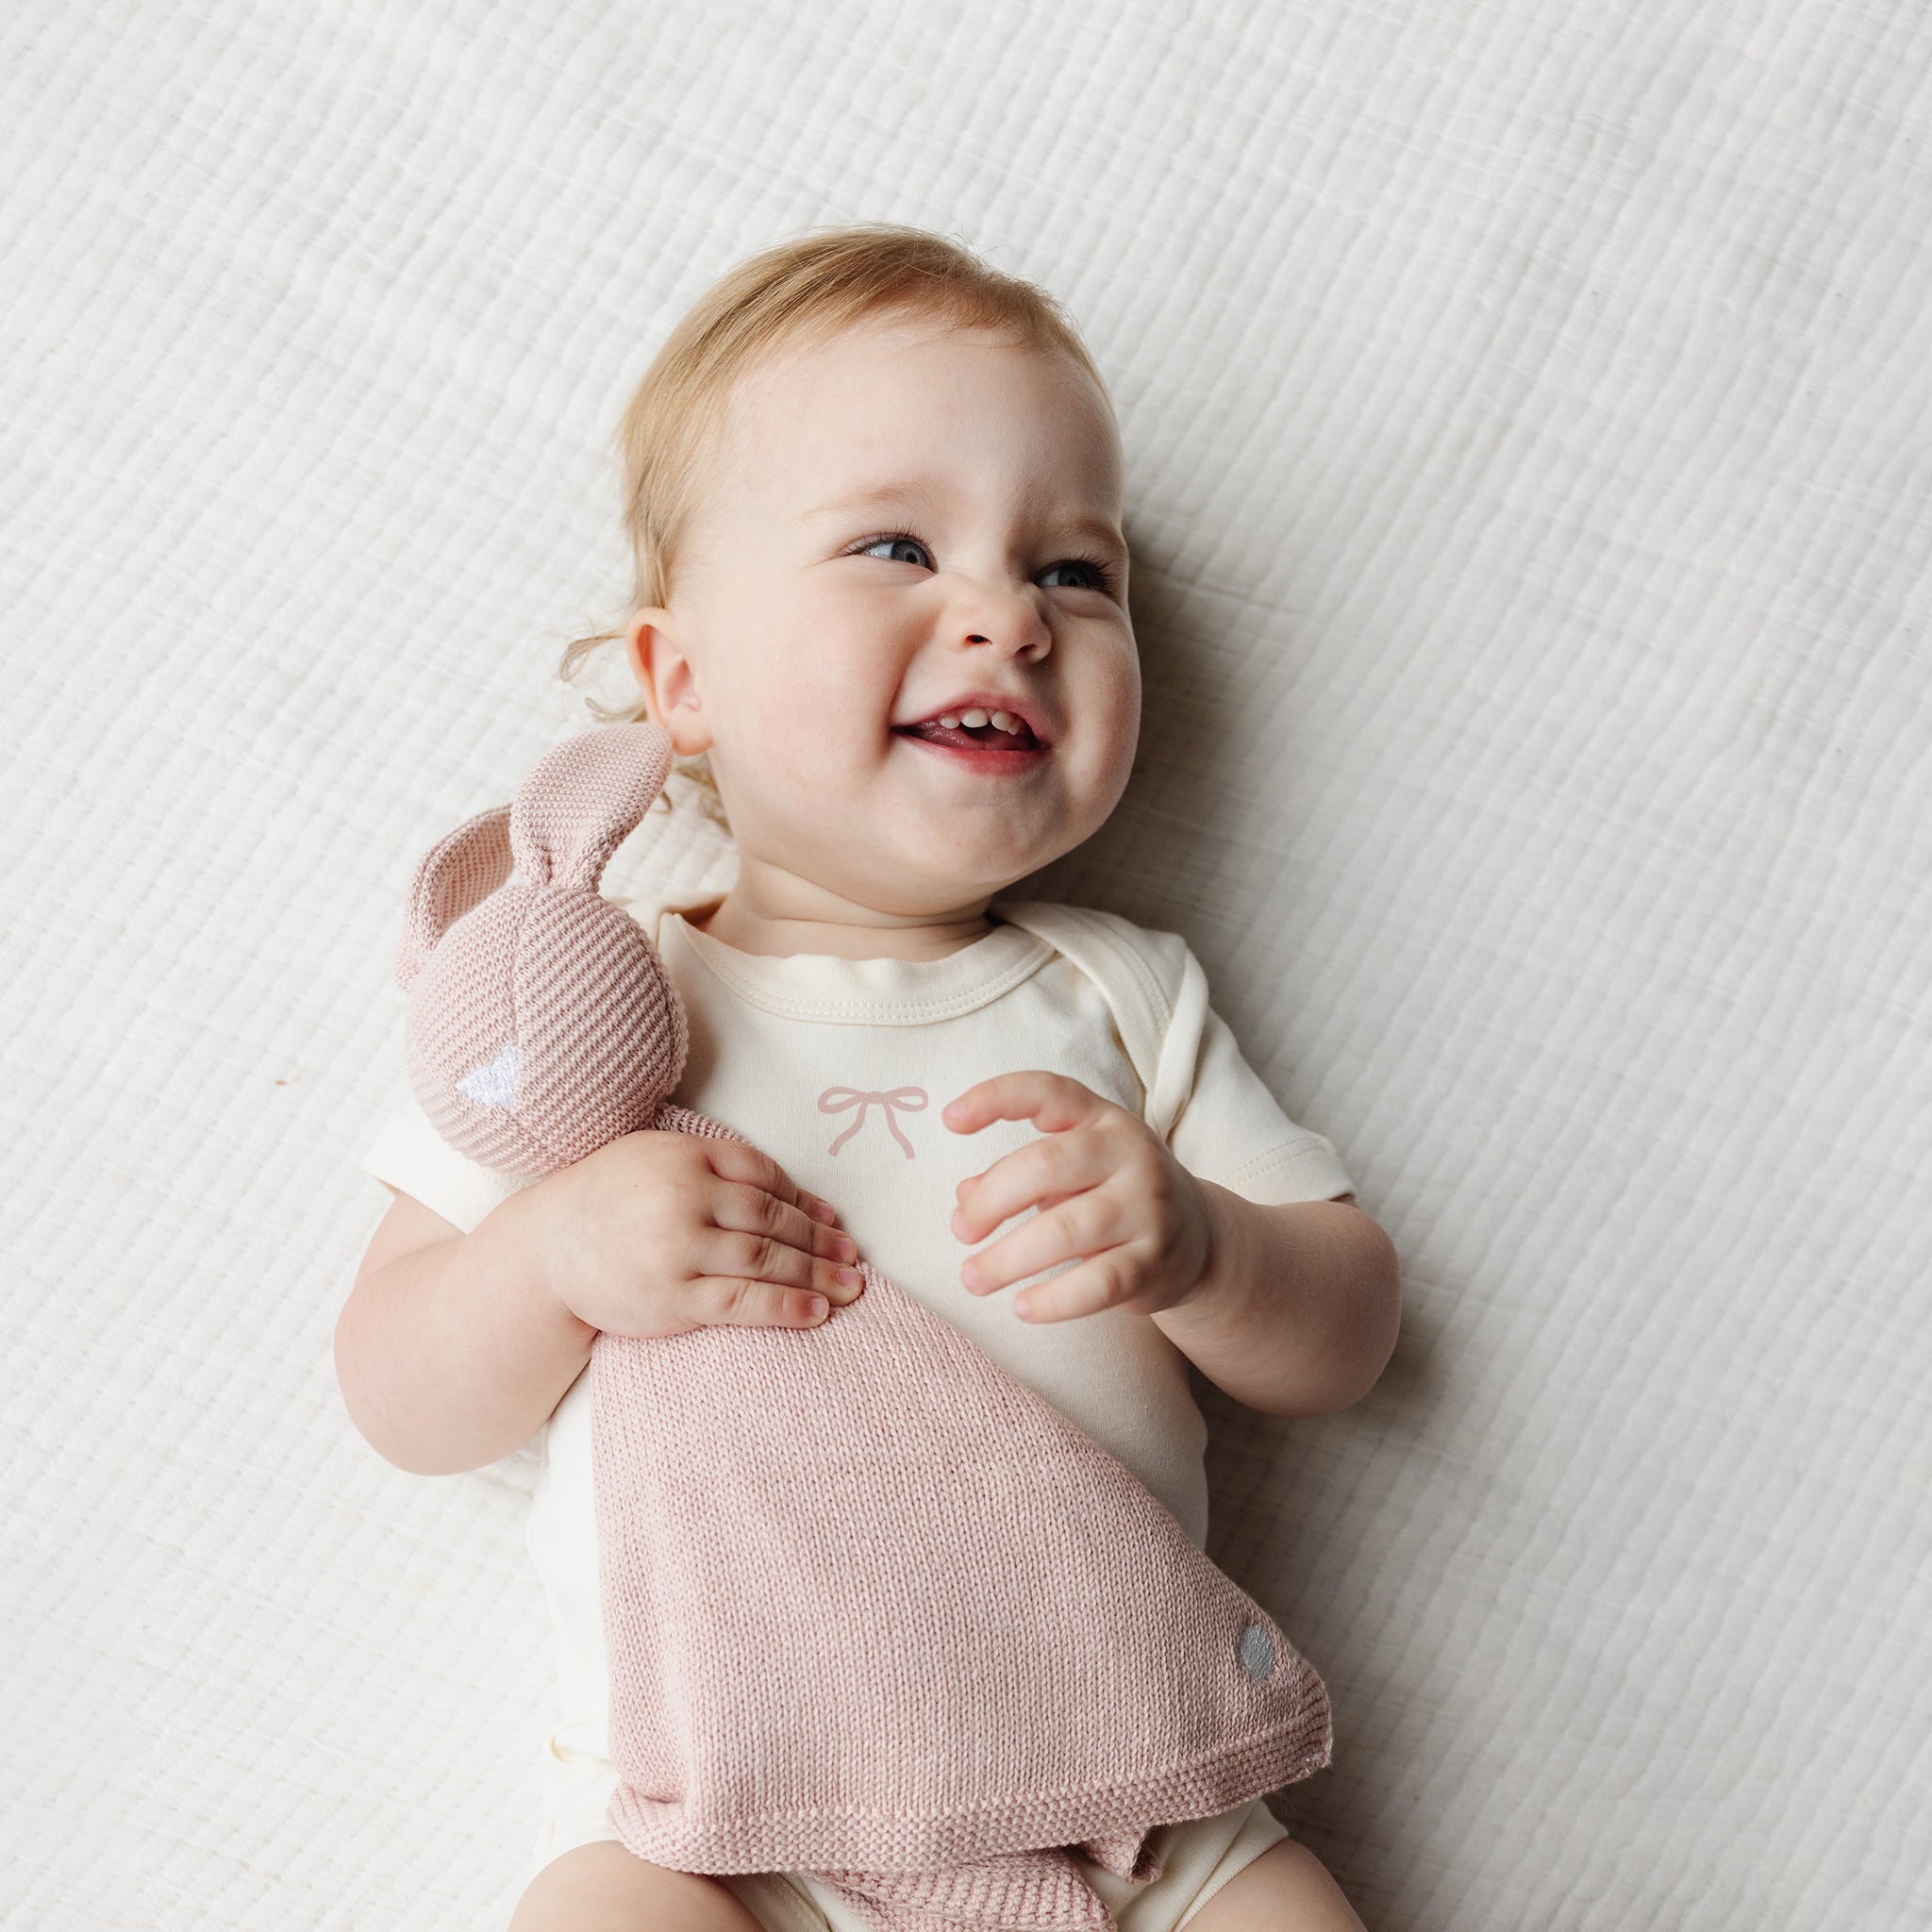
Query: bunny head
pixel 540 1023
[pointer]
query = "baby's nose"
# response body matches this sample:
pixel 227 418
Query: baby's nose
pixel 1013 620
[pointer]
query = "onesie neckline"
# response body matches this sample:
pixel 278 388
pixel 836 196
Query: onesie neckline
pixel 867 992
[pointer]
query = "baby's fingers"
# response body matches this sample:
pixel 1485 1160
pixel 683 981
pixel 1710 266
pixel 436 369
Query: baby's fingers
pixel 737 1160
pixel 764 1261
pixel 715 1300
pixel 748 1208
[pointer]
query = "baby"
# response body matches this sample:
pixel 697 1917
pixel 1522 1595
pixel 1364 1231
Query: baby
pixel 873 487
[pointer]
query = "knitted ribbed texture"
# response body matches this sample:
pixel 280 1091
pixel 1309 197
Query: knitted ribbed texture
pixel 874 1611
pixel 540 1022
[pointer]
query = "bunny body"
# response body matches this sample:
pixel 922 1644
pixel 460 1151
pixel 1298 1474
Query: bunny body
pixel 962 1557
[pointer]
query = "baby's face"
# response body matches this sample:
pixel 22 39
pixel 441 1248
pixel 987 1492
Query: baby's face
pixel 905 522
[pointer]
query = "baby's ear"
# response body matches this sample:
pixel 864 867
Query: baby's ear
pixel 460 870
pixel 583 799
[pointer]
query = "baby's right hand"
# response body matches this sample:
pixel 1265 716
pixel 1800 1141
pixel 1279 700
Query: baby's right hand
pixel 660 1233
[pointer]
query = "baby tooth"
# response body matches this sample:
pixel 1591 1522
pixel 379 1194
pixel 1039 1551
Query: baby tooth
pixel 951 722
pixel 974 718
pixel 1004 721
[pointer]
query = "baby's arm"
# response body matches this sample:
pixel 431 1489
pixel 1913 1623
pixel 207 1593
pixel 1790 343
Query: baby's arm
pixel 1293 1308
pixel 1297 1310
pixel 452 1348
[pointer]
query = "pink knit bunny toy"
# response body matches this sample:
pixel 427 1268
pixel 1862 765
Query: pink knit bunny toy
pixel 875 1611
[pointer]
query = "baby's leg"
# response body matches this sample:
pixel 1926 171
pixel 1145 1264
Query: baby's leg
pixel 1286 1890
pixel 604 1887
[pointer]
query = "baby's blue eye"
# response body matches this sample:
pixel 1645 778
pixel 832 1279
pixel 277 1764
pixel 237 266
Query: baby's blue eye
pixel 894 545
pixel 1094 577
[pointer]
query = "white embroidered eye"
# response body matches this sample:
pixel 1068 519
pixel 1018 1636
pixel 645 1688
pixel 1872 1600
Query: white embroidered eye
pixel 496 1084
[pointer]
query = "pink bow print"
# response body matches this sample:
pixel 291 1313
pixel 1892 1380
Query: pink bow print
pixel 840 1099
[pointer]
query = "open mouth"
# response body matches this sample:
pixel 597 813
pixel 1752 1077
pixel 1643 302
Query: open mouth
pixel 986 737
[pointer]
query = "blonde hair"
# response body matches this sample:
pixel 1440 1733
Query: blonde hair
pixel 802 291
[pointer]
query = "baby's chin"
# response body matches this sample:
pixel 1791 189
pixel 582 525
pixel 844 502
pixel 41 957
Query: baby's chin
pixel 914 862
pixel 916 814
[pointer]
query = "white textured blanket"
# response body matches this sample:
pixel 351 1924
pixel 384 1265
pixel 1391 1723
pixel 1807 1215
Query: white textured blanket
pixel 1530 478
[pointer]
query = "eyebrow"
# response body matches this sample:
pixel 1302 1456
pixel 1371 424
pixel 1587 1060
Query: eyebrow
pixel 909 495
pixel 916 494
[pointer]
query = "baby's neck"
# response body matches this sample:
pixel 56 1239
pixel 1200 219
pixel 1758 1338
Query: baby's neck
pixel 752 922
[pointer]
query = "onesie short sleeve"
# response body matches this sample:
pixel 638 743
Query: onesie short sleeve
pixel 411 1156
pixel 1233 1132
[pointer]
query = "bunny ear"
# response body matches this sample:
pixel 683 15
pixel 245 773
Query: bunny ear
pixel 583 799
pixel 454 875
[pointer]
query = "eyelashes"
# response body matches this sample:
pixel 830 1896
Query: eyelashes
pixel 1104 571
pixel 1106 575
pixel 892 536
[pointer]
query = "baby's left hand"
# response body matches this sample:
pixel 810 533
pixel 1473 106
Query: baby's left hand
pixel 1108 1192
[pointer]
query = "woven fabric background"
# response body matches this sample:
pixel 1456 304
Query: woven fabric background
pixel 1530 481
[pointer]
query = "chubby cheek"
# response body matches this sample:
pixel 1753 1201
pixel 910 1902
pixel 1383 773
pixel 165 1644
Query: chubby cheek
pixel 787 738
pixel 1106 750
pixel 808 715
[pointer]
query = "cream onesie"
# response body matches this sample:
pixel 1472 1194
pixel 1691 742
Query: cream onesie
pixel 837 1068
